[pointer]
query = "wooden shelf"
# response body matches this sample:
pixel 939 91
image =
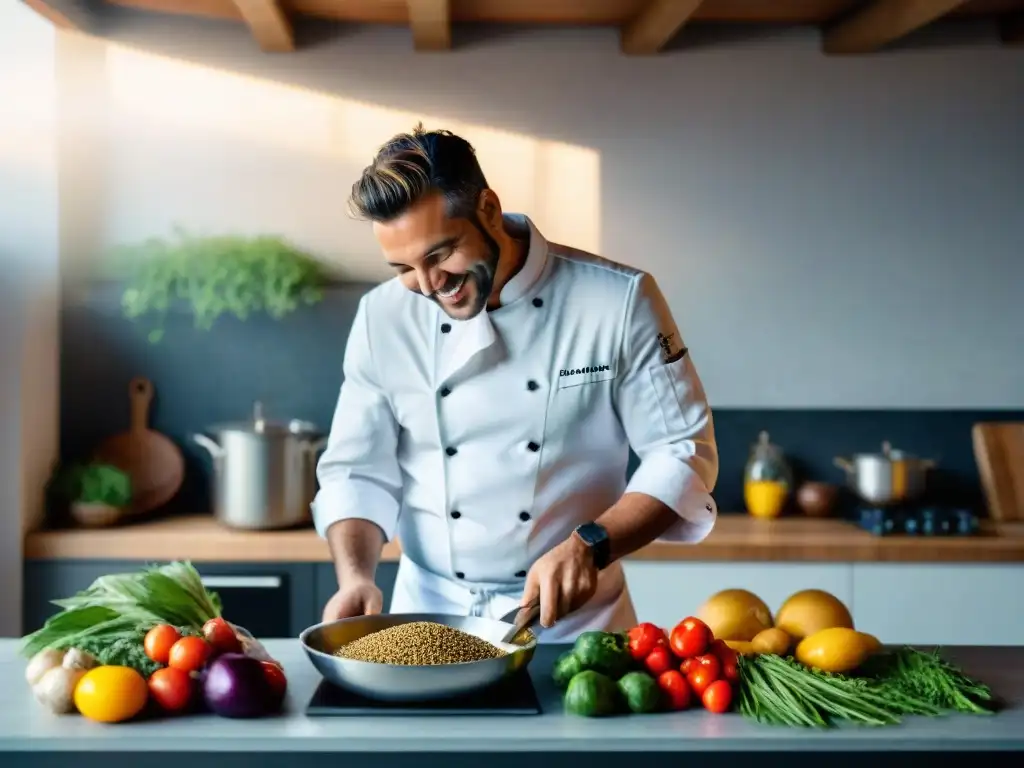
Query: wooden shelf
pixel 646 26
pixel 736 538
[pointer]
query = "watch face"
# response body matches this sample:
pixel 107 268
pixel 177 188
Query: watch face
pixel 590 533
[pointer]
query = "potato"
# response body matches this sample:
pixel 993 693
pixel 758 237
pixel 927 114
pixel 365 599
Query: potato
pixel 773 641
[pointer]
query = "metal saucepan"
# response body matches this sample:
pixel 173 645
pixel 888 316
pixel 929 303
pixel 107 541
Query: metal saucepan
pixel 264 473
pixel 889 477
pixel 396 682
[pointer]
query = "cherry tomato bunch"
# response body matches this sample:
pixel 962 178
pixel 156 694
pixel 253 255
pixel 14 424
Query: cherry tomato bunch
pixel 688 663
pixel 174 687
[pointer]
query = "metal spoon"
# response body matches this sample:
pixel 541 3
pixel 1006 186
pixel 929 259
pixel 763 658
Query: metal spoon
pixel 521 619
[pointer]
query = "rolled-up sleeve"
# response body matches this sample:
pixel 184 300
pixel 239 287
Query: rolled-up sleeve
pixel 666 416
pixel 358 471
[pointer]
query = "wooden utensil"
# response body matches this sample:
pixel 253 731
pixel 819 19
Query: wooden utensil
pixel 999 453
pixel 154 463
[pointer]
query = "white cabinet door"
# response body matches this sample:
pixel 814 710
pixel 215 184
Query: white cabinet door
pixel 665 592
pixel 940 604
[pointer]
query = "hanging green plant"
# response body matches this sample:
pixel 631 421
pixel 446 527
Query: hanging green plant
pixel 214 276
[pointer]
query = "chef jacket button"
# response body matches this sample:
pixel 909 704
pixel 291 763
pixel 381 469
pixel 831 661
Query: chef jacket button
pixel 520 574
pixel 538 302
pixel 460 575
pixel 456 514
pixel 532 385
pixel 445 391
pixel 445 327
pixel 524 516
pixel 532 446
pixel 450 450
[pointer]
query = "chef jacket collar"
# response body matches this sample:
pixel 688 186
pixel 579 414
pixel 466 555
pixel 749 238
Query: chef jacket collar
pixel 468 339
pixel 533 268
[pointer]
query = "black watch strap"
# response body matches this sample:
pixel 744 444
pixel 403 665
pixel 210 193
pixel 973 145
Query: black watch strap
pixel 595 536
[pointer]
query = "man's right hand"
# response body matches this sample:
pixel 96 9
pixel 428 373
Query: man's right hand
pixel 355 598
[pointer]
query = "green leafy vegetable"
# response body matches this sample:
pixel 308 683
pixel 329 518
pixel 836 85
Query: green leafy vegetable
pixel 117 604
pixel 926 675
pixel 92 484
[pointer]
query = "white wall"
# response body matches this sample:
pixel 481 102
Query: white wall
pixel 29 278
pixel 832 232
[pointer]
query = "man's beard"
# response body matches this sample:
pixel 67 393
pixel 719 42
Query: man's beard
pixel 482 274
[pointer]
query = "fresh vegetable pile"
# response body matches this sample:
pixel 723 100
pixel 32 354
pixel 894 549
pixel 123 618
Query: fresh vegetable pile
pixel 647 670
pixel 807 666
pixel 150 639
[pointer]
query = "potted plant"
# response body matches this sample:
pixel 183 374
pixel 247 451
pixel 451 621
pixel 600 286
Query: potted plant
pixel 216 275
pixel 97 493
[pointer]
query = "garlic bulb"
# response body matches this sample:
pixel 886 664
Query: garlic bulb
pixel 42 663
pixel 56 689
pixel 76 659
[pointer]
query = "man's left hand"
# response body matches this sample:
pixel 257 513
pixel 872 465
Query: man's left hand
pixel 565 579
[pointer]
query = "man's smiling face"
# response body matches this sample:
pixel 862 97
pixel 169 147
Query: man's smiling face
pixel 450 260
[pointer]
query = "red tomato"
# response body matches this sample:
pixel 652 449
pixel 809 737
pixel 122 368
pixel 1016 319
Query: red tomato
pixel 643 638
pixel 690 637
pixel 221 636
pixel 677 690
pixel 275 676
pixel 659 660
pixel 699 679
pixel 687 666
pixel 708 662
pixel 189 654
pixel 717 697
pixel 721 650
pixel 171 689
pixel 731 671
pixel 158 641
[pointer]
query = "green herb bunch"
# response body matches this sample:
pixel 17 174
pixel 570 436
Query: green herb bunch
pixel 216 275
pixel 117 610
pixel 780 691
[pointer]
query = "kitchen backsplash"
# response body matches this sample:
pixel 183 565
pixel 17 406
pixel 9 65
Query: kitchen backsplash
pixel 293 367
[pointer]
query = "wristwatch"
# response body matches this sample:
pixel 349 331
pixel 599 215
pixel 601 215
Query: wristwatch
pixel 595 536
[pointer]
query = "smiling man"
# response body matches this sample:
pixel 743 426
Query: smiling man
pixel 492 392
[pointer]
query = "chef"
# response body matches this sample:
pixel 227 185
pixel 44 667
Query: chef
pixel 492 391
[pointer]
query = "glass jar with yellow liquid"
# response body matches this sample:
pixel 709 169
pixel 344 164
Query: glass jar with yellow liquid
pixel 767 479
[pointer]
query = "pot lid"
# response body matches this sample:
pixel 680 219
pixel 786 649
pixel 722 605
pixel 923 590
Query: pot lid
pixel 259 425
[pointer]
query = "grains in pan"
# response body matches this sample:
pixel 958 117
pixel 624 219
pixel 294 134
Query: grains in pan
pixel 419 643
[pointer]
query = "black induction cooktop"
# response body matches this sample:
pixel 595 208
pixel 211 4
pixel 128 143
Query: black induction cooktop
pixel 513 696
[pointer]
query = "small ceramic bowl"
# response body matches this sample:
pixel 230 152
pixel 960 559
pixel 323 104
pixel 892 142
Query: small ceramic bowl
pixel 816 499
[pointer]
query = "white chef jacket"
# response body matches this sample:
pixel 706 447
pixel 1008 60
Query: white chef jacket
pixel 481 444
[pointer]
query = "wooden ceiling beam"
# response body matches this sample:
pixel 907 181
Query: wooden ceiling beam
pixel 52 14
pixel 882 22
pixel 1011 29
pixel 657 23
pixel 268 23
pixel 431 24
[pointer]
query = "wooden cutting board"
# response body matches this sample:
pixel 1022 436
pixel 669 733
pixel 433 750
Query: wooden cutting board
pixel 152 461
pixel 999 453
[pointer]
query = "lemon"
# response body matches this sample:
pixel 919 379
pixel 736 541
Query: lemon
pixel 836 649
pixel 772 641
pixel 111 694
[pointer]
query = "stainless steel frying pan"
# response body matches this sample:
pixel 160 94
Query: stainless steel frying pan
pixel 395 682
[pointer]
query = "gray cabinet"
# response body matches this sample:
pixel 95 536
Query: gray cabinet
pixel 268 599
pixel 327 584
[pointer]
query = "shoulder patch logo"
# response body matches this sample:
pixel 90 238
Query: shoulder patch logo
pixel 669 351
